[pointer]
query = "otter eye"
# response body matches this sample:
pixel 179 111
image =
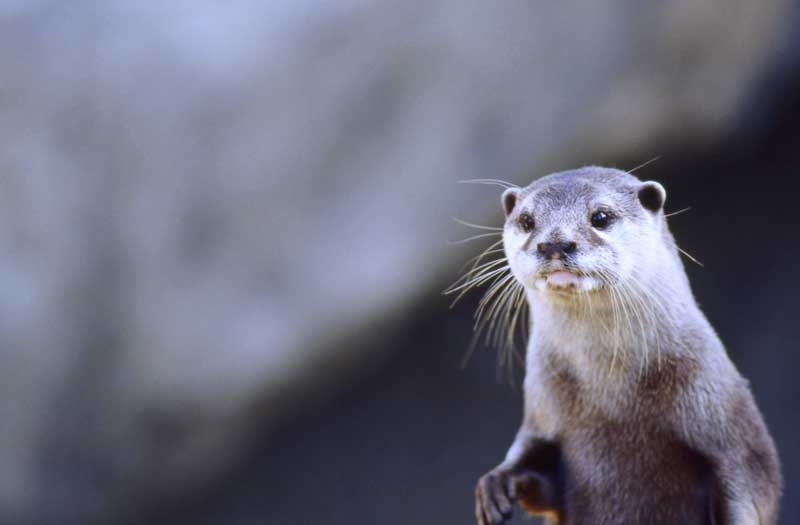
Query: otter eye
pixel 526 222
pixel 601 220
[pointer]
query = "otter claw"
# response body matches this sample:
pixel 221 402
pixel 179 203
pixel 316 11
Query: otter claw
pixel 493 500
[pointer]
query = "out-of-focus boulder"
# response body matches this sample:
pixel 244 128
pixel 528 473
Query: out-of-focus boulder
pixel 201 200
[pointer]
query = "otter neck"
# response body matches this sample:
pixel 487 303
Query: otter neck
pixel 634 330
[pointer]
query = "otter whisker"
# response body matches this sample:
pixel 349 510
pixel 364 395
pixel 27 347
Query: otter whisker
pixel 499 286
pixel 489 306
pixel 507 348
pixel 478 280
pixel 479 236
pixel 632 300
pixel 495 182
pixel 494 317
pixel 484 274
pixel 497 283
pixel 652 306
pixel 627 318
pixel 647 309
pixel 504 312
pixel 674 213
pixel 478 226
pixel 500 322
pixel 482 255
pixel 485 305
pixel 689 255
pixel 489 250
pixel 504 302
pixel 519 314
pixel 509 313
pixel 612 330
pixel 628 311
pixel 477 271
pixel 642 165
pixel 499 317
pixel 487 317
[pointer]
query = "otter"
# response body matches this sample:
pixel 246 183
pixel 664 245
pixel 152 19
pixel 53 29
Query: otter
pixel 633 412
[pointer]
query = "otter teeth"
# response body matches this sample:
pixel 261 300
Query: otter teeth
pixel 563 279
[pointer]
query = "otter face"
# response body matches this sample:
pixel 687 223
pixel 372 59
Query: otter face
pixel 582 231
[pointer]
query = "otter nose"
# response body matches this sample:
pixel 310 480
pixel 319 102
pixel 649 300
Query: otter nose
pixel 556 250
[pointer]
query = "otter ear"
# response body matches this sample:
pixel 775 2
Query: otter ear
pixel 652 195
pixel 509 200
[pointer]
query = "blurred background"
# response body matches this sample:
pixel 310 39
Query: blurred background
pixel 224 226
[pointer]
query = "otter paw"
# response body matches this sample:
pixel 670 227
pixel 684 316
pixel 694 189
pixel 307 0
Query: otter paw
pixel 494 497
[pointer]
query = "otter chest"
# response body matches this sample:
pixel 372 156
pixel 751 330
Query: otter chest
pixel 622 464
pixel 626 474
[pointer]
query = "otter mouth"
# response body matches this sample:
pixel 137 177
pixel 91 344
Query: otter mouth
pixel 566 280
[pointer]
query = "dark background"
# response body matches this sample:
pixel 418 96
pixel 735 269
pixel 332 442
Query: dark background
pixel 224 226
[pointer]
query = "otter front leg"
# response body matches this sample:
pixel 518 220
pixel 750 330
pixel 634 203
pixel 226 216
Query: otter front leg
pixel 744 463
pixel 747 486
pixel 529 476
pixel 743 499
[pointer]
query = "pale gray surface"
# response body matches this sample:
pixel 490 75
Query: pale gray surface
pixel 199 200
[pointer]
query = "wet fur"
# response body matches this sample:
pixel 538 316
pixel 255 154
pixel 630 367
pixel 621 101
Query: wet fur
pixel 651 421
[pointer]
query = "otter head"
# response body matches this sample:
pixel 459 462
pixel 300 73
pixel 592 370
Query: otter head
pixel 583 231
